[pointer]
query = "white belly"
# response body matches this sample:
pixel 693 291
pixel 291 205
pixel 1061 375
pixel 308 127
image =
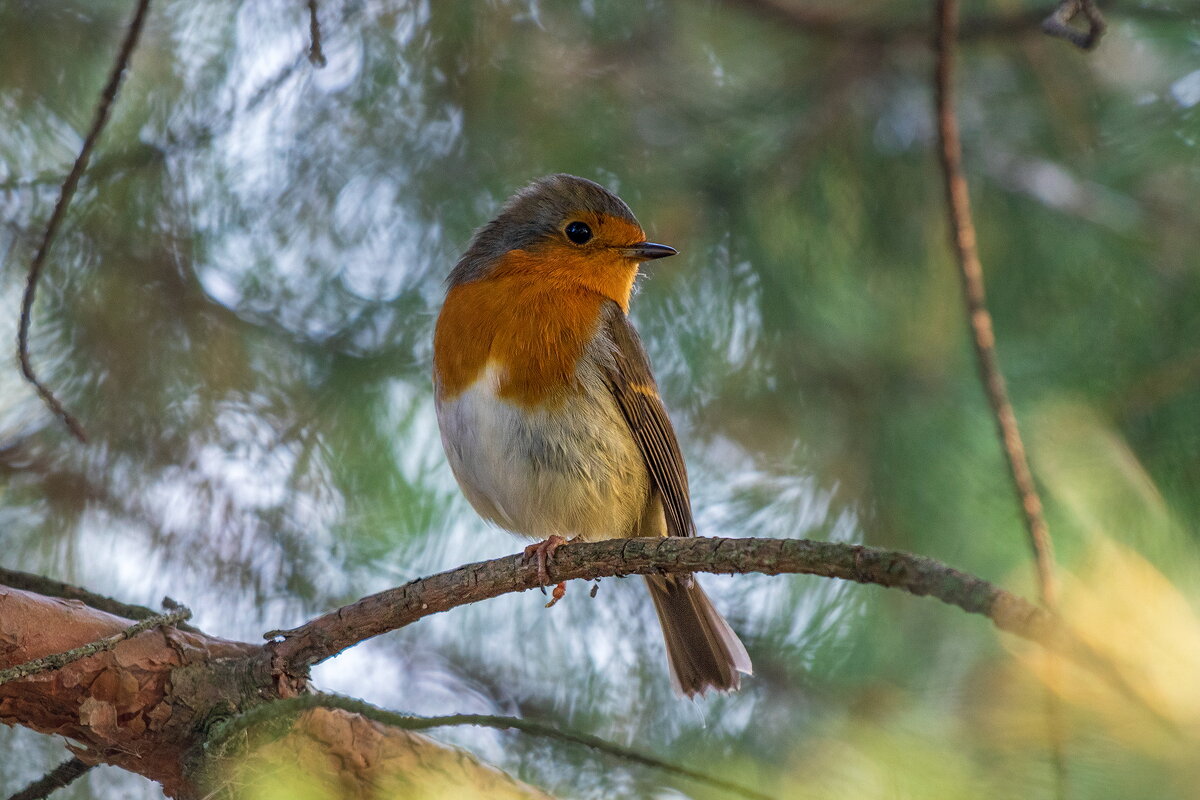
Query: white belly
pixel 574 472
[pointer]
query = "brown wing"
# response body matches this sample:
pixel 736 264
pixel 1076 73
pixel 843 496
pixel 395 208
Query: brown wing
pixel 633 386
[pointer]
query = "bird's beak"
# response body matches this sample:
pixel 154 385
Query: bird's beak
pixel 645 251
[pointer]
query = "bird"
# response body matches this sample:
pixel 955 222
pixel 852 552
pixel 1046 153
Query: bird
pixel 549 413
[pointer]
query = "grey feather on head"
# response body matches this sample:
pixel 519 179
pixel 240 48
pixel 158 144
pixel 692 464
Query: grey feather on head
pixel 535 213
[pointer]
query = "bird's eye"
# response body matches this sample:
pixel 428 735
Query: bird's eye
pixel 578 232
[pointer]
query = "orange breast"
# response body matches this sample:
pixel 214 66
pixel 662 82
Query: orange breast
pixel 535 330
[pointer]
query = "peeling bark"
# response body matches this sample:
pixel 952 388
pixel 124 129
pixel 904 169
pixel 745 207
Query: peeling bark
pixel 143 705
pixel 121 706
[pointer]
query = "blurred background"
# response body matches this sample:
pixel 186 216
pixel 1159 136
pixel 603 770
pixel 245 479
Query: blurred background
pixel 240 306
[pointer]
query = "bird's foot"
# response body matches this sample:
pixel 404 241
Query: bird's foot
pixel 544 553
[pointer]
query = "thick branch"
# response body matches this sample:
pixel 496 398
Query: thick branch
pixel 144 706
pixel 328 635
pixel 136 705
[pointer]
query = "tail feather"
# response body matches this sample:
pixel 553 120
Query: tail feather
pixel 702 650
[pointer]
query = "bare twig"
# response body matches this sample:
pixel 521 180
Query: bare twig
pixel 60 660
pixel 970 268
pixel 1059 23
pixel 315 55
pixel 57 778
pixel 49 587
pixel 100 119
pixel 983 337
pixel 290 707
pixel 329 634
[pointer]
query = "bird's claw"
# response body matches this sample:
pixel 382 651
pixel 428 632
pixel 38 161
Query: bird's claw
pixel 544 553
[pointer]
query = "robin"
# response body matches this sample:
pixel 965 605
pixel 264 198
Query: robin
pixel 549 413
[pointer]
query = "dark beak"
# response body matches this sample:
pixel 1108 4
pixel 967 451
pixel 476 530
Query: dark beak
pixel 645 251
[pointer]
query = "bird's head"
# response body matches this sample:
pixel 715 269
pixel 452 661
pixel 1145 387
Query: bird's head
pixel 565 230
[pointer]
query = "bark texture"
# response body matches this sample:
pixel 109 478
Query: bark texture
pixel 134 706
pixel 143 706
pixel 331 633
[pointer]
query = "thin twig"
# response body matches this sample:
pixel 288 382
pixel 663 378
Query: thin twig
pixel 57 778
pixel 315 55
pixel 970 268
pixel 60 660
pixel 983 337
pixel 49 587
pixel 1058 24
pixel 289 707
pixel 100 119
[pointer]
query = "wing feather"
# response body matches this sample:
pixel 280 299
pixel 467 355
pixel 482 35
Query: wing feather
pixel 632 384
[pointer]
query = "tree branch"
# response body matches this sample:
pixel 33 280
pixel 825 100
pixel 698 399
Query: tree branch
pixel 328 635
pixel 324 637
pixel 137 705
pixel 100 119
pixel 145 705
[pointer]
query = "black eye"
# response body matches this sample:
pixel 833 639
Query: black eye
pixel 578 232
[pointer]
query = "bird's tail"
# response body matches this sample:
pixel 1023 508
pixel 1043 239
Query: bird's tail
pixel 702 650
